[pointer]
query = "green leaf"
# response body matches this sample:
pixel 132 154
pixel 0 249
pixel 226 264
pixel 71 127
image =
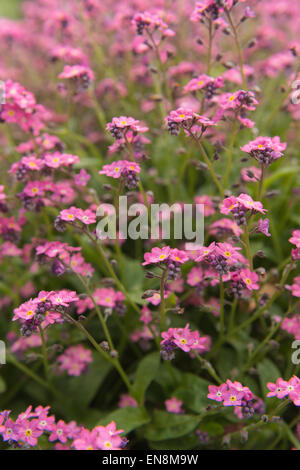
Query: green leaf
pixel 212 428
pixel 83 389
pixel 170 426
pixel 134 278
pixel 268 372
pixel 285 171
pixel 145 373
pixel 193 392
pixel 189 442
pixel 168 377
pixel 128 418
pixel 2 385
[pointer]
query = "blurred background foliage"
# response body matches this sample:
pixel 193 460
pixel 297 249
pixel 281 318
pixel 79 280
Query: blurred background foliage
pixel 10 8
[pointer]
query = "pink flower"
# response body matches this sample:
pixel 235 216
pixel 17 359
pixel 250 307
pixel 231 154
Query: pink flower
pixel 10 431
pixel 210 84
pixel 59 432
pixel 278 389
pixel 265 149
pixel 250 279
pixel 208 204
pixel 151 23
pixel 120 168
pixel 157 255
pixel 127 400
pixel 80 74
pixel 247 202
pixel 75 360
pixel 121 125
pixel 173 405
pixel 233 397
pixel 231 393
pixel 295 395
pixel 184 339
pixel 263 227
pixel 82 178
pixel 28 432
pixel 295 238
pixel 195 276
pixel 146 316
pixel 217 393
pixel 108 438
pixel 252 174
pixel 187 119
pixel 26 311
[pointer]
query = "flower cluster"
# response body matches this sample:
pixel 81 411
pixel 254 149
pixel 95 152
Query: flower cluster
pixel 44 310
pixel 24 432
pixel 265 150
pixel 241 205
pixel 283 388
pixel 187 119
pixel 75 360
pixel 184 339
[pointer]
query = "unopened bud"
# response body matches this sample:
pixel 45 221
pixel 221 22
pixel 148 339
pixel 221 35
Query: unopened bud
pixel 244 436
pixel 114 354
pixel 104 346
pixel 148 293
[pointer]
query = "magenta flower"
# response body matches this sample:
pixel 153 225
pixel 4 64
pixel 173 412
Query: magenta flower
pixel 75 360
pixel 263 227
pixel 173 405
pixel 249 278
pixel 295 238
pixel 120 126
pixel 251 174
pixel 265 149
pixel 59 432
pixel 29 432
pixel 187 119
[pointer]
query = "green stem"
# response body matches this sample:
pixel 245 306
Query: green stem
pixel 113 361
pixel 209 164
pixel 232 314
pixel 162 300
pixel 209 50
pixel 238 47
pixel 264 342
pixel 207 366
pixel 230 154
pixel 257 315
pixel 248 248
pixel 11 359
pixel 45 356
pixel 261 183
pixel 221 308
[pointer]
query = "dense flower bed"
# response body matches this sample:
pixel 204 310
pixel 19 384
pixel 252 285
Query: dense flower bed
pixel 146 341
